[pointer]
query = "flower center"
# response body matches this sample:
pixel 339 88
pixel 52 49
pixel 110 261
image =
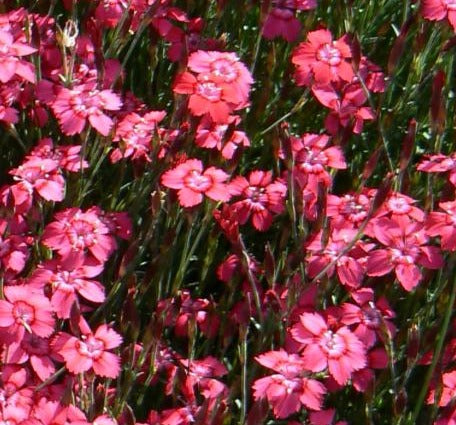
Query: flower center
pixel 91 347
pixel 224 69
pixel 197 181
pixel 332 344
pixel 209 91
pixel 329 54
pixel 23 313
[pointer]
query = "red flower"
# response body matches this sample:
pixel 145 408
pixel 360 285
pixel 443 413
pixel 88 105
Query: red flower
pixel 323 59
pixel 90 351
pixel 338 350
pixel 192 183
pixel 261 197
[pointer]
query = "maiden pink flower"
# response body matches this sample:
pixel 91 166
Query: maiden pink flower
pixel 323 60
pixel 224 68
pixel 281 20
pixel 437 10
pixel 405 249
pixel 10 62
pixel 260 197
pixel 443 224
pixel 289 388
pixel 440 163
pixel 192 183
pixel 78 231
pixel 68 276
pixel 339 350
pixel 73 107
pixel 90 351
pixel 24 310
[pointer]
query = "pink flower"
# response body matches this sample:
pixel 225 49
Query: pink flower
pixel 226 69
pixel 443 224
pixel 406 248
pixel 10 62
pixel 78 231
pixel 73 107
pixel 90 351
pixel 338 350
pixel 207 96
pixel 34 349
pixel 37 175
pixel 192 183
pixel 323 60
pixel 134 134
pixel 436 10
pixel 439 163
pixel 289 388
pixel 260 197
pixel 346 106
pixel 281 20
pixel 24 310
pixel 68 276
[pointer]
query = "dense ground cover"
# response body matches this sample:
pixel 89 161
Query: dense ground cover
pixel 227 212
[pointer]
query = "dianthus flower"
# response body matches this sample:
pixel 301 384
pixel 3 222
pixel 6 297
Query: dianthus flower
pixel 78 231
pixel 440 163
pixel 260 197
pixel 221 84
pixel 339 350
pixel 443 224
pixel 192 182
pixel 23 310
pixel 69 276
pixel 346 107
pixel 289 388
pixel 38 175
pixel 36 351
pixel 90 351
pixel 134 134
pixel 405 248
pixel 73 107
pixel 281 20
pixel 436 10
pixel 322 60
pixel 10 62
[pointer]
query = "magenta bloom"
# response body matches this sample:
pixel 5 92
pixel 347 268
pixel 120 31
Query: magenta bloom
pixel 436 10
pixel 281 20
pixel 443 224
pixel 338 350
pixel 73 107
pixel 322 60
pixel 405 248
pixel 90 351
pixel 192 183
pixel 78 231
pixel 260 197
pixel 289 388
pixel 69 276
pixel 24 310
pixel 11 63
